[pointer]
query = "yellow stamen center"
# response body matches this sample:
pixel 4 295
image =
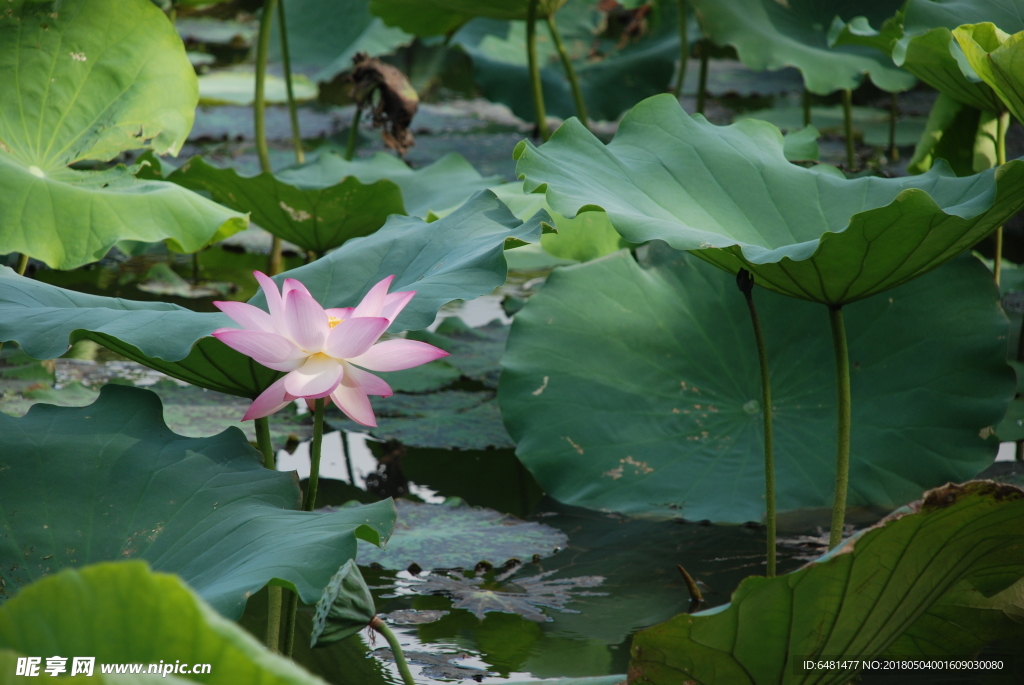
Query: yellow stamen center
pixel 333 321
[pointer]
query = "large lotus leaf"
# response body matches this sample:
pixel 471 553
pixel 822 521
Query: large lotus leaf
pixel 86 82
pixel 772 35
pixel 458 257
pixel 962 135
pixel 460 536
pixel 997 59
pixel 436 17
pixel 315 219
pixel 324 35
pixel 636 388
pixel 855 602
pixel 729 192
pixel 125 613
pixel 612 79
pixel 919 38
pixel 110 481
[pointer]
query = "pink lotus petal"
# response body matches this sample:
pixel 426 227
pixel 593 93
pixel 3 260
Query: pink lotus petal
pixel 341 312
pixel 353 337
pixel 395 355
pixel 270 349
pixel 372 303
pixel 371 385
pixel 247 316
pixel 395 303
pixel 316 378
pixel 274 303
pixel 291 284
pixel 305 321
pixel 270 400
pixel 351 399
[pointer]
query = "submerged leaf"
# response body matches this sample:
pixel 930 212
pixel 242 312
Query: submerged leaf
pixel 110 481
pixel 446 536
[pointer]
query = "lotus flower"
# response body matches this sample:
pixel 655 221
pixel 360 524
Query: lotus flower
pixel 325 351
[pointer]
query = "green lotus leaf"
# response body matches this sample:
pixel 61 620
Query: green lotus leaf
pixel 110 481
pixel 125 613
pixel 456 535
pixel 662 418
pixel 88 81
pixel 962 135
pixel 612 78
pixel 771 35
pixel 801 232
pixel 997 59
pixel 324 35
pixel 437 17
pixel 919 38
pixel 458 257
pixel 868 593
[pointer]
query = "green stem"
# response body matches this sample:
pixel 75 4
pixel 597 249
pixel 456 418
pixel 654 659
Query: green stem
pixel 353 134
pixel 535 82
pixel 807 107
pixel 1002 124
pixel 684 49
pixel 309 502
pixel 894 113
pixel 396 649
pixel 291 610
pixel 577 94
pixel 842 355
pixel 273 640
pixel 848 128
pixel 746 284
pixel 348 458
pixel 195 268
pixel 259 115
pixel 702 82
pixel 286 61
pixel 22 264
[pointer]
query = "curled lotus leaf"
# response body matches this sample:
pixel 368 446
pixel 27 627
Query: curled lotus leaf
pixel 458 257
pixel 769 34
pixel 86 81
pixel 634 387
pixel 110 481
pixel 996 58
pixel 896 590
pixel 805 232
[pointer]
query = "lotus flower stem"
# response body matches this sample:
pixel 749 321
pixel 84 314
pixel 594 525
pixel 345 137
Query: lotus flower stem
pixel 702 82
pixel 807 107
pixel 684 49
pixel 745 281
pixel 348 458
pixel 22 263
pixel 1001 126
pixel 259 116
pixel 273 640
pixel 535 82
pixel 309 503
pixel 396 649
pixel 894 113
pixel 291 609
pixel 851 157
pixel 842 354
pixel 577 94
pixel 353 134
pixel 286 60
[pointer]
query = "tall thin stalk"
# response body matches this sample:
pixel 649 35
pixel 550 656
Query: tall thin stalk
pixel 22 263
pixel 842 354
pixel 396 649
pixel 1002 124
pixel 894 113
pixel 274 592
pixel 535 82
pixel 702 82
pixel 286 60
pixel 684 49
pixel 570 72
pixel 259 106
pixel 353 134
pixel 807 107
pixel 308 504
pixel 745 281
pixel 851 157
